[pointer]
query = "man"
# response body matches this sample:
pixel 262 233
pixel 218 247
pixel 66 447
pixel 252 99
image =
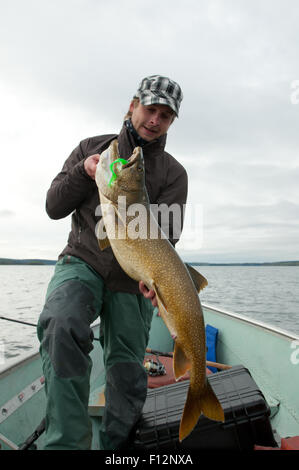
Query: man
pixel 88 282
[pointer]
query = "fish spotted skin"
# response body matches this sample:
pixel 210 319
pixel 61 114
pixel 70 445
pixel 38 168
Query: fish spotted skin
pixel 158 265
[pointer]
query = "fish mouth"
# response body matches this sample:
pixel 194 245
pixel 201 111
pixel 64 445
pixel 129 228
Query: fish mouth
pixel 134 158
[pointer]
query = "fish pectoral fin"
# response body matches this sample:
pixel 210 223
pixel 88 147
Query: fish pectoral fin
pixel 206 403
pixel 180 362
pixel 164 312
pixel 101 235
pixel 103 244
pixel 160 299
pixel 198 279
pixel 121 213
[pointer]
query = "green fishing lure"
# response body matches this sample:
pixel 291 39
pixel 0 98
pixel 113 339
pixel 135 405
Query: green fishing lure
pixel 114 176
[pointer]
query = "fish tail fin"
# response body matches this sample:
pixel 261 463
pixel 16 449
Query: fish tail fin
pixel 210 404
pixel 206 403
pixel 190 415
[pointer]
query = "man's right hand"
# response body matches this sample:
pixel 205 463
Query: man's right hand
pixel 90 165
pixel 148 294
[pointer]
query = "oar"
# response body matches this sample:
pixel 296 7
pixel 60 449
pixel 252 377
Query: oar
pixel 158 353
pixel 31 439
pixel 209 363
pixel 218 365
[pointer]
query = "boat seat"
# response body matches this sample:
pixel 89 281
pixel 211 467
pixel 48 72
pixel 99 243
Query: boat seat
pixel 96 403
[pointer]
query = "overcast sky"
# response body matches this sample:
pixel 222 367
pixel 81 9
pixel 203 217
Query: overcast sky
pixel 69 69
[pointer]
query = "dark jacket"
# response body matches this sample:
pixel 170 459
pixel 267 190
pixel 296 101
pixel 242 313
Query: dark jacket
pixel 73 191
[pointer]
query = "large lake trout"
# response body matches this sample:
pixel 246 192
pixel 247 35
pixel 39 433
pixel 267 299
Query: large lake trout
pixel 145 254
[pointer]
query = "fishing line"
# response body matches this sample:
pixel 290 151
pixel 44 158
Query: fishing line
pixel 28 323
pixel 18 321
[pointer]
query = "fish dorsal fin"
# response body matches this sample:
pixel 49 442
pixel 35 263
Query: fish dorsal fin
pixel 180 362
pixel 199 280
pixel 103 241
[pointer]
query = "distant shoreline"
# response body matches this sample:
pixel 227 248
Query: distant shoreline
pixel 31 262
pixel 47 262
pixel 274 263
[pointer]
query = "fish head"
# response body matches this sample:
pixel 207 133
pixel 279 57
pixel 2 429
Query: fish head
pixel 118 177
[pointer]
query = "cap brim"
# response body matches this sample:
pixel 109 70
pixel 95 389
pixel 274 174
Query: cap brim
pixel 148 98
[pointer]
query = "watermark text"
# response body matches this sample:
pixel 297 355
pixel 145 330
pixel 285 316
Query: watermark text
pixel 294 358
pixel 156 221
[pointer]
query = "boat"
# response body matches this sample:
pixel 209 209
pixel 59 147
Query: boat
pixel 270 354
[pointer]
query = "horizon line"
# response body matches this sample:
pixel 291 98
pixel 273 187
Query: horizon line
pixel 54 261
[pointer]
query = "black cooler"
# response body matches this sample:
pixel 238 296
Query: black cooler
pixel 246 417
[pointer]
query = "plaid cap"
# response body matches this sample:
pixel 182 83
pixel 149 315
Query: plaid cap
pixel 160 90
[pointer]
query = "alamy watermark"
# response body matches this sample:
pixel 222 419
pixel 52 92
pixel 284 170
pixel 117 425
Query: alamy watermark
pixel 294 358
pixel 161 221
pixel 294 97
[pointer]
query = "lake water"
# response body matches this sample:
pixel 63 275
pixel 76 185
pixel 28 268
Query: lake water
pixel 266 293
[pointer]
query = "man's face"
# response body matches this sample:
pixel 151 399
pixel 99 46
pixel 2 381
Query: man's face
pixel 151 121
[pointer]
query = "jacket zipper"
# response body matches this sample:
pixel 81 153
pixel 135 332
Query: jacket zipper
pixel 79 227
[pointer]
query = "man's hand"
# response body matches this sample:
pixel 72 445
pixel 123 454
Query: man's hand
pixel 90 165
pixel 148 294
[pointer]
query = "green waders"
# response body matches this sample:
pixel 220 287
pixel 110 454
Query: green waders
pixel 76 296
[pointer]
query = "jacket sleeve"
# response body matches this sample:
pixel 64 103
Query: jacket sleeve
pixel 71 186
pixel 174 197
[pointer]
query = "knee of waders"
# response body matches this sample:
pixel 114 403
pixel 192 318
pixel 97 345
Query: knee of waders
pixel 64 328
pixel 125 393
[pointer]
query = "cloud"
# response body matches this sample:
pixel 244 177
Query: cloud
pixel 6 213
pixel 69 69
